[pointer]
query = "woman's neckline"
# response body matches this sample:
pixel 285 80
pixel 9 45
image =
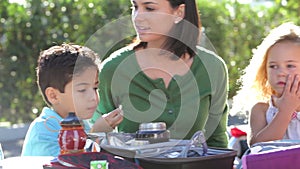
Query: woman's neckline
pixel 160 78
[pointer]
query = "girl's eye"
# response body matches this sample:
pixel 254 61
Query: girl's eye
pixel 273 66
pixel 291 66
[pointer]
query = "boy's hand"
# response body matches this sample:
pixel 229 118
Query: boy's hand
pixel 109 121
pixel 114 118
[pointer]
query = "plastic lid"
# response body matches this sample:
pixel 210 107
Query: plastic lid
pixel 70 120
pixel 152 126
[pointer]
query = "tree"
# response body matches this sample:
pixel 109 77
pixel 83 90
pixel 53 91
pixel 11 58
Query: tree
pixel 234 29
pixel 27 30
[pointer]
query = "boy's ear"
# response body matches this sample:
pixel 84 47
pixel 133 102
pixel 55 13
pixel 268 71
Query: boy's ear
pixel 52 95
pixel 179 13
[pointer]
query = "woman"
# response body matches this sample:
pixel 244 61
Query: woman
pixel 163 76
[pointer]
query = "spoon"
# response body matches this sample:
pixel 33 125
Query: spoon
pixel 197 139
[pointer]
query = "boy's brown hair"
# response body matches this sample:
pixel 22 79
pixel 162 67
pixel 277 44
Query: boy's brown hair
pixel 57 65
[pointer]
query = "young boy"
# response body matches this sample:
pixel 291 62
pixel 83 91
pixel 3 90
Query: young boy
pixel 67 77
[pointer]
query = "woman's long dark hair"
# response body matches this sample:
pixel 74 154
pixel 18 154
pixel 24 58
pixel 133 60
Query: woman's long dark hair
pixel 184 36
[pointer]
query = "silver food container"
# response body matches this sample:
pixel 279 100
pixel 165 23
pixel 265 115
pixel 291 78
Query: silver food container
pixel 154 132
pixel 157 156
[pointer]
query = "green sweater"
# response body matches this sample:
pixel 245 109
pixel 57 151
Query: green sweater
pixel 192 102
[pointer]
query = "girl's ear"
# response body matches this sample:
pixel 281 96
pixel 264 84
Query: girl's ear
pixel 52 95
pixel 179 13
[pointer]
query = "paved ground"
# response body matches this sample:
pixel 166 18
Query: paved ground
pixel 11 139
pixel 13 147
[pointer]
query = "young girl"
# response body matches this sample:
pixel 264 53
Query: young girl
pixel 273 80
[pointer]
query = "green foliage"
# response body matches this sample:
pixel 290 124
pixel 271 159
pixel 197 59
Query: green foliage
pixel 27 30
pixel 234 29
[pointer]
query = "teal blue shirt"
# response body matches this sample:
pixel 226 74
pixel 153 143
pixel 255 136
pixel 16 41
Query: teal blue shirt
pixel 192 102
pixel 42 136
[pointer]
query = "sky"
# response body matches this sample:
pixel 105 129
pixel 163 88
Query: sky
pixel 22 2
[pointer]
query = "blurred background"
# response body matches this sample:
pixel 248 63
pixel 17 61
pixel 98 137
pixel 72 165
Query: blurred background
pixel 234 27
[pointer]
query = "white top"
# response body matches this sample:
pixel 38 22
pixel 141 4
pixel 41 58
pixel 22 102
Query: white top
pixel 30 162
pixel 293 130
